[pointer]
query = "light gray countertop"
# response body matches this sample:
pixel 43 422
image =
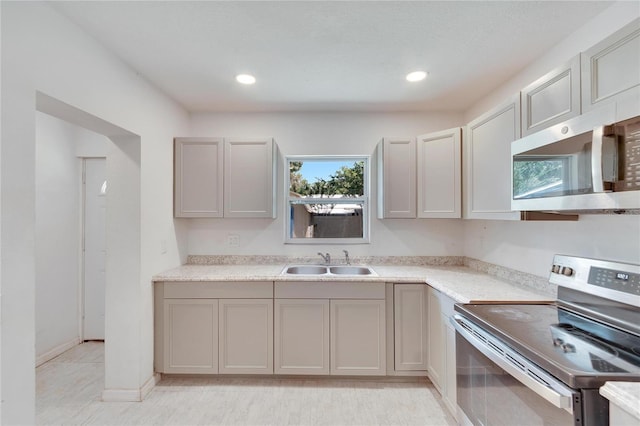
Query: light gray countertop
pixel 461 283
pixel 625 395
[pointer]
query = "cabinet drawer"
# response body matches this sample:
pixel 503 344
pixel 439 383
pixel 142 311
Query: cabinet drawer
pixel 218 290
pixel 329 290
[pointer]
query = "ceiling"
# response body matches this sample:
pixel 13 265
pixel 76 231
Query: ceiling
pixel 325 55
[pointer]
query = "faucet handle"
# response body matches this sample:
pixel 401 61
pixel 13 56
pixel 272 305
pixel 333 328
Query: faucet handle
pixel 346 257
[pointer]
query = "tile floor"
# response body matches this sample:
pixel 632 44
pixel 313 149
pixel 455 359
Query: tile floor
pixel 69 388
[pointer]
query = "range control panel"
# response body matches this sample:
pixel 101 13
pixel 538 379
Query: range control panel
pixel 626 282
pixel 605 278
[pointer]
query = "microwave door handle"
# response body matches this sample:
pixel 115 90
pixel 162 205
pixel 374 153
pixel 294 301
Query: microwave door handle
pixel 596 159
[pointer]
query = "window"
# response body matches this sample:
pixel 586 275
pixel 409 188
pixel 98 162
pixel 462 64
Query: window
pixel 327 199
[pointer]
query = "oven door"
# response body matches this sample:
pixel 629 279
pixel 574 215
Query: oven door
pixel 497 386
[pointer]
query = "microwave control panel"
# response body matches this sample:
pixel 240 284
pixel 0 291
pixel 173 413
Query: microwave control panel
pixel 629 151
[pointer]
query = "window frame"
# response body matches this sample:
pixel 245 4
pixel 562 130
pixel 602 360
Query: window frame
pixel 364 199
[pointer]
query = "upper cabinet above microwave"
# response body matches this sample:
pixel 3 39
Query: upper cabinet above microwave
pixel 611 72
pixel 551 99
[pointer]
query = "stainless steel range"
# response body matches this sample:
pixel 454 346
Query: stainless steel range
pixel 543 364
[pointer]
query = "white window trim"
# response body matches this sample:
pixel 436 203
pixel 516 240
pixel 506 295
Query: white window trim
pixel 365 200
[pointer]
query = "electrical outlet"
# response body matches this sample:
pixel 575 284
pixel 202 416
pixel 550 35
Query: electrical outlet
pixel 233 240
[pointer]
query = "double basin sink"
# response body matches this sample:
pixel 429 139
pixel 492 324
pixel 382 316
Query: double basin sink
pixel 328 270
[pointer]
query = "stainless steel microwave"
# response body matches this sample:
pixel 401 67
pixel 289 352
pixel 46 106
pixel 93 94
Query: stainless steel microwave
pixel 589 162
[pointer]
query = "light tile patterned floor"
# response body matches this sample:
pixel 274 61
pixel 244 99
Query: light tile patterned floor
pixel 69 388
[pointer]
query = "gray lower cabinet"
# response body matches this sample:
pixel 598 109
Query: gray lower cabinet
pixel 337 328
pixel 410 327
pixel 214 327
pixel 442 349
pixel 301 336
pixel 358 344
pixel 246 336
pixel 190 336
pixel 333 328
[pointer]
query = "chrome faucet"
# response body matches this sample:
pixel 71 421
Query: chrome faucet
pixel 326 258
pixel 346 257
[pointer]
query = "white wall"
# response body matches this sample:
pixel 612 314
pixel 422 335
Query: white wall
pixel 57 234
pixel 530 246
pixel 44 52
pixel 329 134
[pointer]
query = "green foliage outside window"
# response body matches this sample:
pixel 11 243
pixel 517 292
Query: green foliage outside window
pixel 348 181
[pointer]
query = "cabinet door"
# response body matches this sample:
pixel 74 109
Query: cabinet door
pixel 358 337
pixel 488 162
pixel 611 72
pixel 410 326
pixel 246 336
pixel 397 178
pixel 552 98
pixel 437 343
pixel 439 174
pixel 198 174
pixel 249 178
pixel 449 395
pixel 190 336
pixel 301 336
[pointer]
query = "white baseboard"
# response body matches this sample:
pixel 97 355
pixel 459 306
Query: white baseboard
pixel 149 385
pixel 49 355
pixel 131 395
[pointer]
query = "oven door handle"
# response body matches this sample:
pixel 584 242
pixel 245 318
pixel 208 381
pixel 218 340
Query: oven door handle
pixel 517 366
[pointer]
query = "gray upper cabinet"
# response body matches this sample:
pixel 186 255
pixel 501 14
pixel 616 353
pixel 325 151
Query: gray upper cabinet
pixel 214 177
pixel 552 98
pixel 611 72
pixel 439 174
pixel 397 178
pixel 198 174
pixel 487 143
pixel 249 178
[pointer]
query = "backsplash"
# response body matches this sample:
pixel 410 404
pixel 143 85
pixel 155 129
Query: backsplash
pixel 517 278
pixel 369 260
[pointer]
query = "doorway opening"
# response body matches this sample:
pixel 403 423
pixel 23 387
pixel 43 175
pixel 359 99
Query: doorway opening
pixel 94 250
pixel 116 245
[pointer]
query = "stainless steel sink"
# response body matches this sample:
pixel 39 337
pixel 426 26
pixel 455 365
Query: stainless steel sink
pixel 350 270
pixel 327 270
pixel 306 270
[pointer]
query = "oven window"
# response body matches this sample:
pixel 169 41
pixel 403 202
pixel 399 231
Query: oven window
pixel 490 396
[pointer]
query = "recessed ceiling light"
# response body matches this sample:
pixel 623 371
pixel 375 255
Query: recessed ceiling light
pixel 416 76
pixel 245 78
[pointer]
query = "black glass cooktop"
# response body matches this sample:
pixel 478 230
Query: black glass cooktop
pixel 579 351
